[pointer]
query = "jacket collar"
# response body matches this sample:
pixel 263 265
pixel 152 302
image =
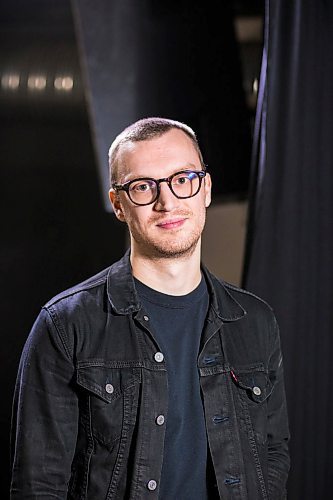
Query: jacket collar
pixel 222 302
pixel 120 287
pixel 124 299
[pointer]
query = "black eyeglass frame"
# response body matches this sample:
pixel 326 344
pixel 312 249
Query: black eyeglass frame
pixel 126 186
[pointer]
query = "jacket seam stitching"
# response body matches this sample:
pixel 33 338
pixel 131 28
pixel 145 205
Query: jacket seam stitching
pixel 245 292
pixel 71 292
pixel 53 317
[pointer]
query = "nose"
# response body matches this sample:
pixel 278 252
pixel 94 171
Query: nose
pixel 167 201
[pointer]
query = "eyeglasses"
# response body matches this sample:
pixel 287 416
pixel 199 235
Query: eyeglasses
pixel 145 190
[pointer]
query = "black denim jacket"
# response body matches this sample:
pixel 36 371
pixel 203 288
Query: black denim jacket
pixel 92 383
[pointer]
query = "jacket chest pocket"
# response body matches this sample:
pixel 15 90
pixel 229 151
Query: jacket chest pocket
pixel 253 388
pixel 109 396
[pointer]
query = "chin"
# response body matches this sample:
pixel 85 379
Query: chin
pixel 167 247
pixel 174 251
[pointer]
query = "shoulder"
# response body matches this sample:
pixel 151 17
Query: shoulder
pixel 80 292
pixel 254 306
pixel 73 312
pixel 257 324
pixel 246 296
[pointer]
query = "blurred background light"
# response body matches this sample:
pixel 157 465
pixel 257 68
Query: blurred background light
pixel 10 81
pixel 36 82
pixel 64 83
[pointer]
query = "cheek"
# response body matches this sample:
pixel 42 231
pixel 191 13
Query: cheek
pixel 134 217
pixel 200 208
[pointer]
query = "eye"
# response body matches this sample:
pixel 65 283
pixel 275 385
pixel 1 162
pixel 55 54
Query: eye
pixel 183 178
pixel 142 186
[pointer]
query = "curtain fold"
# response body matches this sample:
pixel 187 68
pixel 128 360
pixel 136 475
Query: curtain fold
pixel 289 254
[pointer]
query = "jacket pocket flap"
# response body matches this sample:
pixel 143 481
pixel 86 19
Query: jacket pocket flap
pixel 257 384
pixel 105 382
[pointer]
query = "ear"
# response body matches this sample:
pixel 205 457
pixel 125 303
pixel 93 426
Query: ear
pixel 116 205
pixel 208 189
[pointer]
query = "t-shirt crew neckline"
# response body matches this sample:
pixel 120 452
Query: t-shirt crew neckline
pixel 171 301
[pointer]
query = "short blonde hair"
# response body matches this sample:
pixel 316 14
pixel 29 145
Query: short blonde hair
pixel 144 130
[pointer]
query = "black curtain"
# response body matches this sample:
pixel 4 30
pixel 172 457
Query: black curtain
pixel 289 259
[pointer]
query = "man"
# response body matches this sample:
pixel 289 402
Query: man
pixel 153 379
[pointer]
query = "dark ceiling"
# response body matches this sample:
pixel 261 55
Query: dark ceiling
pixel 38 38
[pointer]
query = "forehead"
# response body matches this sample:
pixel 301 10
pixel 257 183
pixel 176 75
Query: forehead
pixel 160 156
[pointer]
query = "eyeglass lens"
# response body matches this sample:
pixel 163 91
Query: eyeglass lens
pixel 183 185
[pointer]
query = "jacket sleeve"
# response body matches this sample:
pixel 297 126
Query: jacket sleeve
pixel 45 414
pixel 278 429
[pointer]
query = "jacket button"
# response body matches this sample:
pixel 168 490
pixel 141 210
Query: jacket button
pixel 109 388
pixel 160 420
pixel 146 318
pixel 158 357
pixel 152 485
pixel 256 390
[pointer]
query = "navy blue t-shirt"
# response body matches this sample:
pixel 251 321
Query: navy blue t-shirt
pixel 177 324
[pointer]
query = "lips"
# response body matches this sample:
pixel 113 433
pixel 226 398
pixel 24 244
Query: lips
pixel 171 223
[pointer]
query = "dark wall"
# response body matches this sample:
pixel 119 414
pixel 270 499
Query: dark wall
pixel 55 231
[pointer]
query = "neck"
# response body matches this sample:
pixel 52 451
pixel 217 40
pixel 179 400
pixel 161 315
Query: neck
pixel 173 276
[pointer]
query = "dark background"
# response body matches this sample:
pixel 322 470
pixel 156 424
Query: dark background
pixel 55 229
pixel 289 252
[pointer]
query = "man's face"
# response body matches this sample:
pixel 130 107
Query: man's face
pixel 169 227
